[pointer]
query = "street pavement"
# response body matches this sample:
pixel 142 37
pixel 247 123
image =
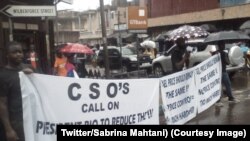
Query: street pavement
pixel 229 113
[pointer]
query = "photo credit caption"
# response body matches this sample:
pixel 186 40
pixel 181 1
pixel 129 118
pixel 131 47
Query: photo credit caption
pixel 152 131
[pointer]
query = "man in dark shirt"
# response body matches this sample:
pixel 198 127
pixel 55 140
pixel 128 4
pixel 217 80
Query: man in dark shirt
pixel 180 56
pixel 11 117
pixel 225 78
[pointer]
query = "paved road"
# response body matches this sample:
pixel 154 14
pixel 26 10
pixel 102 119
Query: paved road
pixel 230 113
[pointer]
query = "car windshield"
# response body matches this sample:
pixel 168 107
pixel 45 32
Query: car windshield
pixel 229 45
pixel 198 44
pixel 128 51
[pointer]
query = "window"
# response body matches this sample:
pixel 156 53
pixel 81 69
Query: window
pixel 113 52
pixel 128 51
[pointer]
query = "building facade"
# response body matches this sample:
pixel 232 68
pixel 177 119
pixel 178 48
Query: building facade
pixel 85 27
pixel 165 15
pixel 115 20
pixel 119 3
pixel 67 27
pixel 92 30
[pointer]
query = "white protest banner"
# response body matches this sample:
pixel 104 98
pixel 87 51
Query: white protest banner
pixel 208 82
pixel 67 1
pixel 52 100
pixel 178 96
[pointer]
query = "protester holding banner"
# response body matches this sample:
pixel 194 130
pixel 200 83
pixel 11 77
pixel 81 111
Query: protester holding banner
pixel 11 117
pixel 180 56
pixel 225 77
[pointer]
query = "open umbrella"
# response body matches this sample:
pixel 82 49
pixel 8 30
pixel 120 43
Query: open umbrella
pixel 209 27
pixel 188 31
pixel 148 44
pixel 245 25
pixel 76 48
pixel 226 36
pixel 246 31
pixel 159 38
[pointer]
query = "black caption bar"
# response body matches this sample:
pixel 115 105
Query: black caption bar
pixel 215 132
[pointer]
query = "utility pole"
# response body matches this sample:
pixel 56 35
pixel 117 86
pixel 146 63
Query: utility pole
pixel 119 38
pixel 2 48
pixel 104 38
pixel 47 42
pixel 10 30
pixel 56 20
pixel 79 23
pixel 57 28
pixel 137 51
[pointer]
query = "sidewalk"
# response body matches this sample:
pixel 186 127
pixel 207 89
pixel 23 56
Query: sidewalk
pixel 229 113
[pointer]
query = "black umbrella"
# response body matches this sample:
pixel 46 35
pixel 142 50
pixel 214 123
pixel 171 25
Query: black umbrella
pixel 209 27
pixel 245 25
pixel 226 36
pixel 159 38
pixel 246 31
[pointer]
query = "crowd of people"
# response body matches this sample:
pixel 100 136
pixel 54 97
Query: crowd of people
pixel 11 117
pixel 65 64
pixel 74 65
